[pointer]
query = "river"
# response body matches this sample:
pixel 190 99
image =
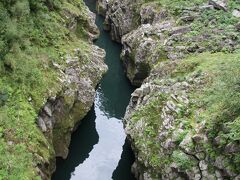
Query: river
pixel 99 149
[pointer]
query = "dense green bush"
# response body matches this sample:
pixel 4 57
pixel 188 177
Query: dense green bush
pixel 33 34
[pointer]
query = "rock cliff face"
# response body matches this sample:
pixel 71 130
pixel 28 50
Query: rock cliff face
pixel 120 16
pixel 173 129
pixel 49 69
pixel 151 33
pixel 62 113
pixel 178 120
pixel 64 110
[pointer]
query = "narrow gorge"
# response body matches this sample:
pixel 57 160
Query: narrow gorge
pixel 99 148
pixel 183 120
pixel 120 89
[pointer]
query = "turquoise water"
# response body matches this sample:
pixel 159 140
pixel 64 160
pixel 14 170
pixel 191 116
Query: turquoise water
pixel 99 149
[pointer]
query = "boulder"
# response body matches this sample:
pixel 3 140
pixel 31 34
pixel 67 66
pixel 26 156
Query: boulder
pixel 232 148
pixel 236 13
pixel 42 125
pixel 219 4
pixel 48 110
pixel 120 18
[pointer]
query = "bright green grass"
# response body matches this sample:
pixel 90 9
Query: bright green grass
pixel 33 34
pixel 218 100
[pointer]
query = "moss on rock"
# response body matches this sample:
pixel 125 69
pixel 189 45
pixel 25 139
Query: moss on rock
pixel 182 125
pixel 46 54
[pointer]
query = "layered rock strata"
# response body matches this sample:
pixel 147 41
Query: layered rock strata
pixel 164 120
pixel 64 110
pixel 150 33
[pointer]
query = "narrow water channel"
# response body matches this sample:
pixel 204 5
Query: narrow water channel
pixel 99 149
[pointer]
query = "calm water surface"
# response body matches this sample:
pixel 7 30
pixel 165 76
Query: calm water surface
pixel 99 150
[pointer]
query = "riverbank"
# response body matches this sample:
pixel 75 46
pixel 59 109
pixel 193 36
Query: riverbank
pixel 99 149
pixel 49 69
pixel 183 55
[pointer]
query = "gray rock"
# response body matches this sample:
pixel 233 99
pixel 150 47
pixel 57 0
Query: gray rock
pixel 184 145
pixel 197 177
pixel 237 26
pixel 56 65
pixel 201 155
pixel 229 172
pixel 217 140
pixel 187 18
pixel 145 89
pixel 218 175
pixel 147 14
pixel 93 31
pixel 237 177
pixel 203 165
pixel 206 7
pixel 42 124
pixel 120 18
pixel 197 138
pixel 30 99
pixel 140 51
pixel 172 106
pixel 219 4
pixel 10 143
pixel 169 144
pixel 219 162
pixel 180 30
pixel 232 148
pixel 48 110
pixel 236 13
pixel 102 7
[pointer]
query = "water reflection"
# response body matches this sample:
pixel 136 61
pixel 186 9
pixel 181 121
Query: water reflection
pixel 82 143
pixel 122 172
pixel 106 155
pixel 115 89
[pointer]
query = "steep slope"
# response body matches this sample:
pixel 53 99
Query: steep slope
pixel 153 31
pixel 183 120
pixel 49 69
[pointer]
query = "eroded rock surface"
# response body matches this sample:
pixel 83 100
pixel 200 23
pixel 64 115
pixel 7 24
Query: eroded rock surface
pixel 79 77
pixel 151 34
pixel 156 39
pixel 120 17
pixel 157 120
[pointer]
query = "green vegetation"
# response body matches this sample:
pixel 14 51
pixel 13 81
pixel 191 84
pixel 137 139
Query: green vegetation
pixel 175 7
pixel 215 102
pixel 34 34
pixel 183 160
pixel 211 30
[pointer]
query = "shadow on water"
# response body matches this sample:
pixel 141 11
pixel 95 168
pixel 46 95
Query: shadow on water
pixel 115 89
pixel 79 148
pixel 99 149
pixel 122 172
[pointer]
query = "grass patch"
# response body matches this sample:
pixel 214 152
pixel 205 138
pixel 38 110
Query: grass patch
pixel 216 102
pixel 33 35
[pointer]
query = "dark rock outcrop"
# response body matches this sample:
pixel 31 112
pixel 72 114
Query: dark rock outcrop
pixel 64 110
pixel 150 34
pixel 154 42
